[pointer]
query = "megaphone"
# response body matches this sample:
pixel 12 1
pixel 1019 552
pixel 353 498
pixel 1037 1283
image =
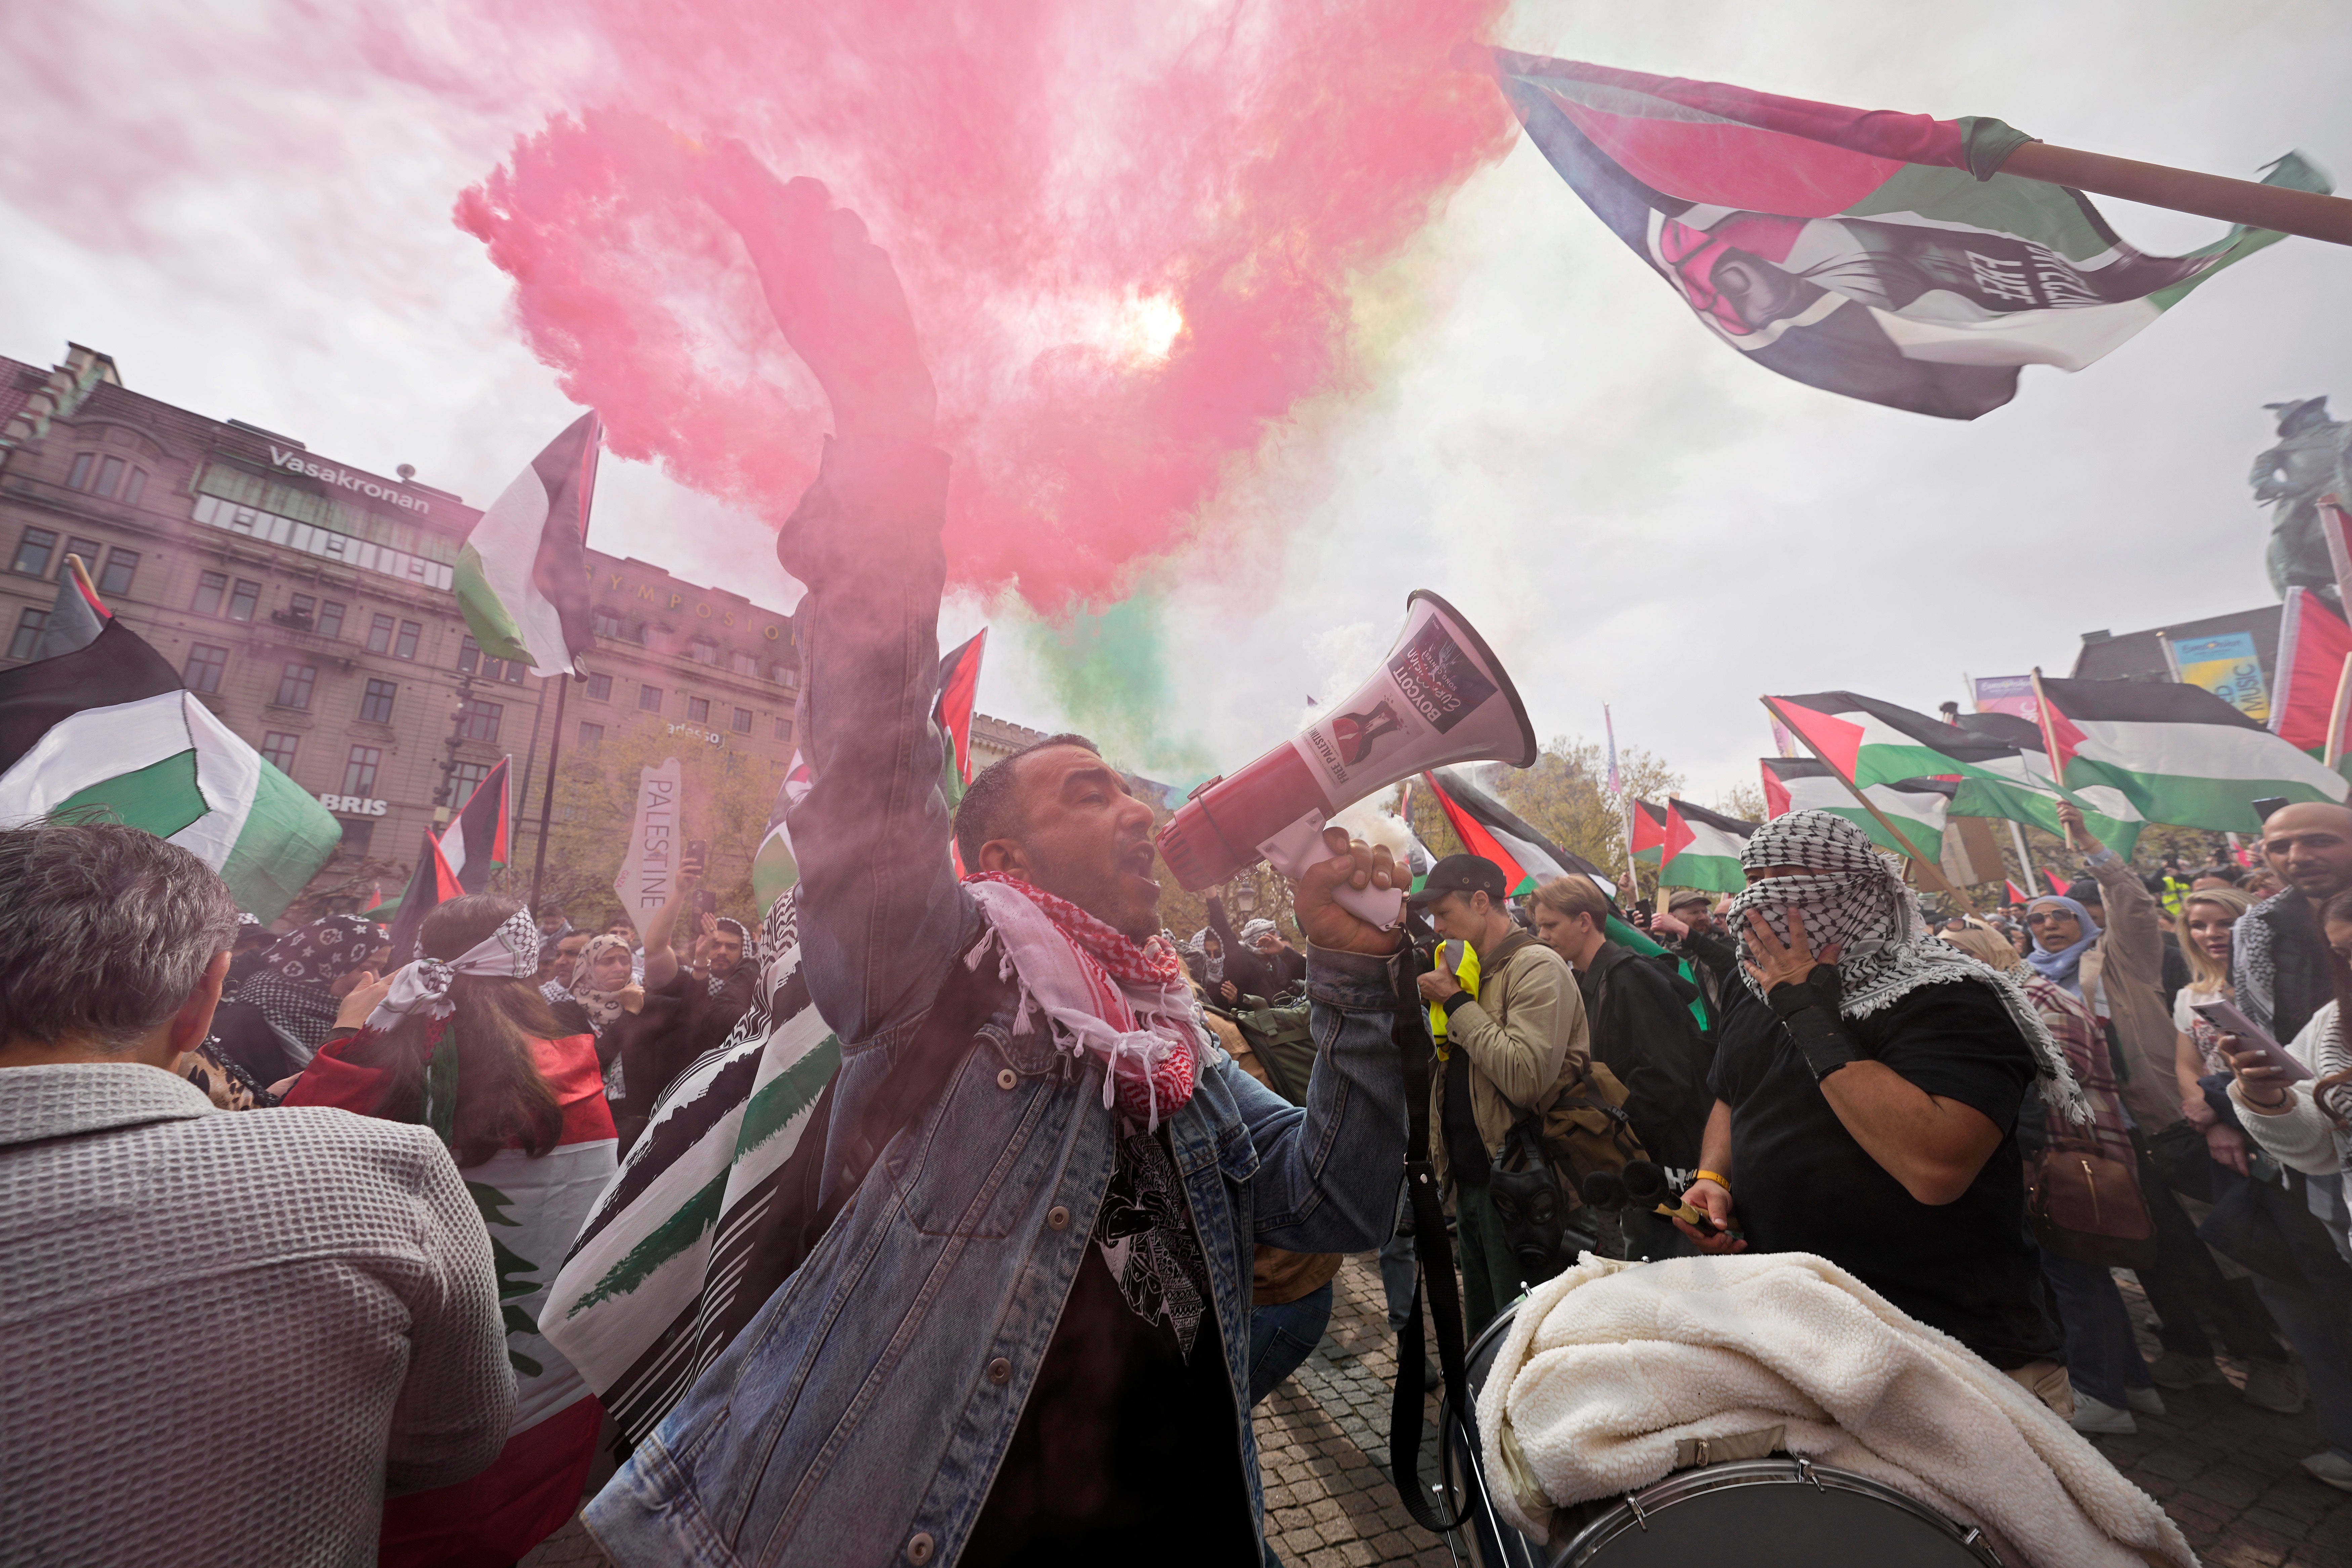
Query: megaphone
pixel 1440 697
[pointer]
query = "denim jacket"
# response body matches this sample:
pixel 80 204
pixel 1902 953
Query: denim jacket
pixel 860 1418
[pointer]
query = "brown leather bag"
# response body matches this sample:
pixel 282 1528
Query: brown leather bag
pixel 2088 1208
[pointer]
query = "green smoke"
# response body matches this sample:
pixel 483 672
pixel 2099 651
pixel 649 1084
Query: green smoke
pixel 1108 669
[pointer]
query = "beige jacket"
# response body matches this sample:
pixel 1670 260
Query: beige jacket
pixel 1525 1036
pixel 2124 970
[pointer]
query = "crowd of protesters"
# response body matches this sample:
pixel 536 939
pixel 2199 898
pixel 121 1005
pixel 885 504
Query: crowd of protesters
pixel 1077 1189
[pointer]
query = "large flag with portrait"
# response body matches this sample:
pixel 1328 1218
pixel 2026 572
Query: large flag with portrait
pixel 1869 253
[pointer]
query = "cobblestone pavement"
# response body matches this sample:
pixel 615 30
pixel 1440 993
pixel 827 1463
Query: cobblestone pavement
pixel 2227 1472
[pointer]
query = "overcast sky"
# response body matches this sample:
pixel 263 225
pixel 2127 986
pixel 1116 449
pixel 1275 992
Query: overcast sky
pixel 1540 431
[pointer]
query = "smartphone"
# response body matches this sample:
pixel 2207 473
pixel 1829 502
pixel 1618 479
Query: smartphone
pixel 698 852
pixel 2225 1016
pixel 705 902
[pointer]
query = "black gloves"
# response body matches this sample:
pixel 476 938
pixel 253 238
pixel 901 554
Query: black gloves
pixel 1810 1010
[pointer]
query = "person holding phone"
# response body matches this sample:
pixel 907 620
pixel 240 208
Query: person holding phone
pixel 2300 1112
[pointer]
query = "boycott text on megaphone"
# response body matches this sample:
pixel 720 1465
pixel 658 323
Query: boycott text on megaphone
pixel 1440 697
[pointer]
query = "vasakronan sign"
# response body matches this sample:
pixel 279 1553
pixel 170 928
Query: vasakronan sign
pixel 299 462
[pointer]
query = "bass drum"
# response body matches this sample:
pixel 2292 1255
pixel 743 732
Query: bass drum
pixel 1776 1512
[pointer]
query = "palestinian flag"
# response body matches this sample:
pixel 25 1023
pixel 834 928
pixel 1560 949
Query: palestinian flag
pixel 2311 644
pixel 1702 848
pixel 775 871
pixel 1917 806
pixel 2181 754
pixel 2057 883
pixel 1877 255
pixel 2017 895
pixel 77 617
pixel 1996 758
pixel 1649 836
pixel 109 726
pixel 522 573
pixel 1486 826
pixel 429 884
pixel 475 842
pixel 708 1213
pixel 959 685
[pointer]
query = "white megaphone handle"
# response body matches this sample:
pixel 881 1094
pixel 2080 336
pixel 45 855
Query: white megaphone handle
pixel 1300 846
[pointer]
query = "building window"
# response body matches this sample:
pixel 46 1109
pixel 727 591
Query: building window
pixel 30 623
pixel 405 645
pixel 649 698
pixel 478 720
pixel 746 666
pixel 359 769
pixel 608 625
pixel 743 720
pixel 697 710
pixel 133 486
pixel 358 831
pixel 294 689
pixel 79 478
pixel 331 619
pixel 121 567
pixel 34 549
pixel 781 674
pixel 243 598
pixel 206 664
pixel 278 749
pixel 783 727
pixel 590 735
pixel 303 608
pixel 380 632
pixel 110 475
pixel 463 779
pixel 600 689
pixel 85 548
pixel 469 655
pixel 376 706
pixel 702 650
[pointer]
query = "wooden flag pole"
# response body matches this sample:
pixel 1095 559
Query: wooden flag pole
pixel 2279 208
pixel 2337 716
pixel 2050 745
pixel 1930 872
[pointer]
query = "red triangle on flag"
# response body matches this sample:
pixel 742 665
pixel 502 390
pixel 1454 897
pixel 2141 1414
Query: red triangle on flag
pixel 1678 836
pixel 1649 826
pixel 2017 895
pixel 2057 885
pixel 1837 740
pixel 1476 840
pixel 1776 794
pixel 2065 739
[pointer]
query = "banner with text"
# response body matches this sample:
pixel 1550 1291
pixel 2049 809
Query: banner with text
pixel 649 866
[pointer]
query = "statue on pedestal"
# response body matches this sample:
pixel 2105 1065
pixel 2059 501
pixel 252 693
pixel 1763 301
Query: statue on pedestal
pixel 2313 458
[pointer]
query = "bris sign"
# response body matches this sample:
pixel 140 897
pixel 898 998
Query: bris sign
pixel 354 806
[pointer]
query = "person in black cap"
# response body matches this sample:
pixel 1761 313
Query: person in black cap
pixel 1507 1049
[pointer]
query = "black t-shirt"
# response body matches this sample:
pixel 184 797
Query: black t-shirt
pixel 1802 1184
pixel 1128 1450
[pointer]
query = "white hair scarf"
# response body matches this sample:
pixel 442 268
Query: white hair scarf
pixel 511 951
pixel 1853 899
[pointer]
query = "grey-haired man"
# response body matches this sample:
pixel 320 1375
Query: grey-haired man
pixel 344 1252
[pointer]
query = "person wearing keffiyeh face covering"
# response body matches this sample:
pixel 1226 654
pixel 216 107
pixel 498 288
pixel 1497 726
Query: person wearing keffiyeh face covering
pixel 1022 1335
pixel 1867 1085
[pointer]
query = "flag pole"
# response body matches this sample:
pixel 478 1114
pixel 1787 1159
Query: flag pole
pixel 1930 872
pixel 2050 745
pixel 547 795
pixel 2338 717
pixel 2024 860
pixel 2249 201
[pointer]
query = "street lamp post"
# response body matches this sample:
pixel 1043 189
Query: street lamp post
pixel 442 802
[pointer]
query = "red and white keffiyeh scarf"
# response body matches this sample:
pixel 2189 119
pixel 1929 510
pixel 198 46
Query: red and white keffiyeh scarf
pixel 1102 993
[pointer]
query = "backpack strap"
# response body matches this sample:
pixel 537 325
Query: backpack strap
pixel 1434 1254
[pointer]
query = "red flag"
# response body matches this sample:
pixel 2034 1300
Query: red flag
pixel 2017 895
pixel 2313 643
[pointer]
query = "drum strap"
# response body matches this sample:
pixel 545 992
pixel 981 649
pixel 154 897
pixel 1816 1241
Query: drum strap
pixel 1434 1252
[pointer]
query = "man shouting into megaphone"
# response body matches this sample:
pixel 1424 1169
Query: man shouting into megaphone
pixel 1025 1334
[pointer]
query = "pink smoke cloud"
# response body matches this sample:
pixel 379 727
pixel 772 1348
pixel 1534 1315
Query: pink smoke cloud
pixel 1129 234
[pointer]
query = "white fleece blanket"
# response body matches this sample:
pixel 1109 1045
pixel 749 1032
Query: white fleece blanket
pixel 1608 1365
